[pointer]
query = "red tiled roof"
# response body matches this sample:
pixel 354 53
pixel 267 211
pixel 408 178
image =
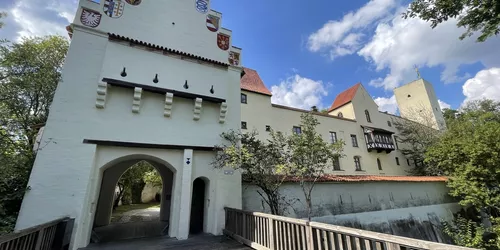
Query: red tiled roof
pixel 251 81
pixel 345 97
pixel 372 178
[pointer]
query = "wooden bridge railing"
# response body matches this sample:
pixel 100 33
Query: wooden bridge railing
pixel 265 231
pixel 52 235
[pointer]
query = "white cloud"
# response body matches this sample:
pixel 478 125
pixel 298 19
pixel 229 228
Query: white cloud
pixel 485 85
pixel 443 105
pixel 402 43
pixel 387 104
pixel 39 18
pixel 342 37
pixel 299 92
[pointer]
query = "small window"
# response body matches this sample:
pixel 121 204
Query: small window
pixel 357 163
pixel 243 98
pixel 408 162
pixel 379 164
pixel 243 125
pixel 268 128
pixel 389 123
pixel 336 164
pixel 333 137
pixel 367 114
pixel 297 130
pixel 396 142
pixel 409 96
pixel 397 161
pixel 340 114
pixel 354 141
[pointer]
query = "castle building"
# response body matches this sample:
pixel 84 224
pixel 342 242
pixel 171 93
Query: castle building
pixel 160 81
pixel 142 80
pixel 371 145
pixel 418 102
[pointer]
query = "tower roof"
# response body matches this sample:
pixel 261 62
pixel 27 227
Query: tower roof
pixel 251 82
pixel 344 97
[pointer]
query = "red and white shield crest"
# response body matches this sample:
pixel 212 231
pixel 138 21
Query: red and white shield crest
pixel 223 41
pixel 213 23
pixel 90 18
pixel 234 58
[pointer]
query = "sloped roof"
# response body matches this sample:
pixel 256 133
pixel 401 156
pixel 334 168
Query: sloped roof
pixel 344 97
pixel 251 82
pixel 165 50
pixel 375 178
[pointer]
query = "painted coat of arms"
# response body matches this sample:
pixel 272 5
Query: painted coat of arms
pixel 133 2
pixel 213 23
pixel 202 6
pixel 90 18
pixel 113 8
pixel 223 41
pixel 234 58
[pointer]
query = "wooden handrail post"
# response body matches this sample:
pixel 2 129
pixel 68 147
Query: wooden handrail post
pixel 244 222
pixel 39 239
pixel 309 236
pixel 271 233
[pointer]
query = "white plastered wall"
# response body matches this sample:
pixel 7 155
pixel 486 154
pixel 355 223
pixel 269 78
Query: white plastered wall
pixel 417 101
pixel 347 111
pixel 65 169
pixel 258 112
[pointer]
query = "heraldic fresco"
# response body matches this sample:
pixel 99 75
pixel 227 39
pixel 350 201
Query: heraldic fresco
pixel 116 8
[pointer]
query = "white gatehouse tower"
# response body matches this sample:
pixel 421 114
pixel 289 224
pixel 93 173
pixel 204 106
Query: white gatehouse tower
pixel 143 80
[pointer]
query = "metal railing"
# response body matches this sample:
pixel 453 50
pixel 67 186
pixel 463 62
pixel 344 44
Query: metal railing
pixel 265 231
pixel 52 235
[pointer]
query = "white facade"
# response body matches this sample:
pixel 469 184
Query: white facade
pixel 418 102
pixel 97 124
pixel 258 113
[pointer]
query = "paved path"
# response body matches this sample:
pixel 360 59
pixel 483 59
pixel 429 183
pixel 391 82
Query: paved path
pixel 146 214
pixel 200 242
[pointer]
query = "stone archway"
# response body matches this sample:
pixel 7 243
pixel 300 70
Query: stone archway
pixel 111 173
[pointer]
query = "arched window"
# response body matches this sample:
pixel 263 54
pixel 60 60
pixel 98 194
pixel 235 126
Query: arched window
pixel 340 114
pixel 379 164
pixel 357 163
pixel 367 114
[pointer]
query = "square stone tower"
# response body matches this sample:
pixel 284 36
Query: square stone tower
pixel 143 80
pixel 418 102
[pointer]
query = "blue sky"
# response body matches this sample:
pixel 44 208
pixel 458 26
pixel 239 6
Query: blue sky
pixel 308 51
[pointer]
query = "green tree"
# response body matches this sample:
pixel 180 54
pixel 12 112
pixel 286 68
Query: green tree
pixel 309 156
pixel 132 182
pixel 469 153
pixel 29 73
pixel 2 15
pixel 475 16
pixel 413 139
pixel 259 161
pixel 450 115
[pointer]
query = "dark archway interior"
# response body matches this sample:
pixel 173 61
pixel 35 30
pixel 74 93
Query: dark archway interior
pixel 197 207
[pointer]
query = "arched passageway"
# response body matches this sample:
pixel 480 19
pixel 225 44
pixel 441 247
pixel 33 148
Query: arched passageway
pixel 104 230
pixel 198 206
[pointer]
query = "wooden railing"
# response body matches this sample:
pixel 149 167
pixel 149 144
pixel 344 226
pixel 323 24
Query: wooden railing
pixel 265 231
pixel 52 235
